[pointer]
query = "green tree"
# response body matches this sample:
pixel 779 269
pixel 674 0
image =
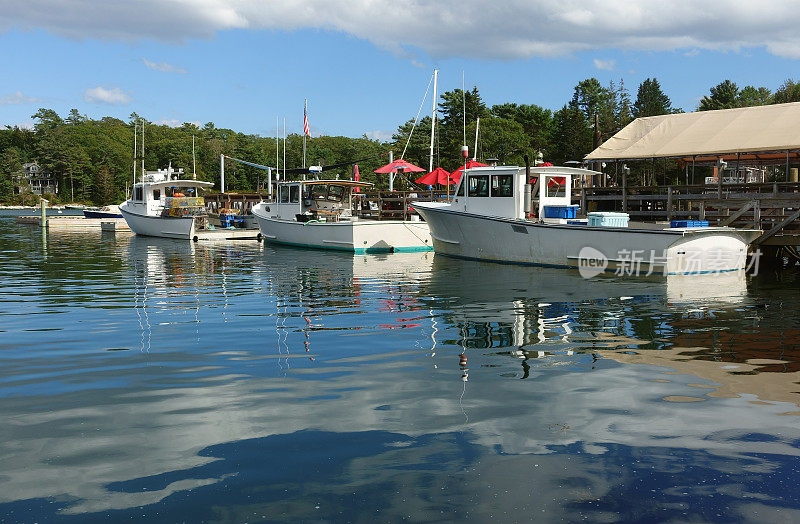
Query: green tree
pixel 754 96
pixel 572 136
pixel 651 100
pixel 789 91
pixel 724 95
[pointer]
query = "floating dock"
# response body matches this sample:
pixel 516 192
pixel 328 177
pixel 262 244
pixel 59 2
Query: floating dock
pixel 118 225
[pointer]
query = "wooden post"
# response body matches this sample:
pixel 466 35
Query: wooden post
pixel 625 170
pixel 669 203
pixel 43 204
pixel 583 200
pixel 757 214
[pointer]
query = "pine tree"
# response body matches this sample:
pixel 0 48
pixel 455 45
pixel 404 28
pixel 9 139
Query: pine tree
pixel 651 100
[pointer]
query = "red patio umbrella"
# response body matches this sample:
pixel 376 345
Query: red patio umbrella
pixel 399 164
pixel 456 175
pixel 437 176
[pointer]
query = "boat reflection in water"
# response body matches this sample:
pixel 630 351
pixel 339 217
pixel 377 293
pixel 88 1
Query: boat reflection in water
pixel 228 418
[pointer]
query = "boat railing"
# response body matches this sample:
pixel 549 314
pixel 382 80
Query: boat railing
pixel 393 205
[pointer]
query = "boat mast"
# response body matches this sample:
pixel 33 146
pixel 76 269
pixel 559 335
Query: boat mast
pixel 142 173
pixel 277 149
pixel 284 148
pixel 135 151
pixel 433 117
pixel 477 126
pixel 194 171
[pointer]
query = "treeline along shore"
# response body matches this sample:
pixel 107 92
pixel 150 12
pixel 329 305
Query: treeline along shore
pixel 91 160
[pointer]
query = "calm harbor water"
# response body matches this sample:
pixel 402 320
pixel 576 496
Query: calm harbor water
pixel 147 379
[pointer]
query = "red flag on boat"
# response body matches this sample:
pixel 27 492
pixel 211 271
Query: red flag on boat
pixel 357 178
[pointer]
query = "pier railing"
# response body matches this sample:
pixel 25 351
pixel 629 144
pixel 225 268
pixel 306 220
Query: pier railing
pixel 771 207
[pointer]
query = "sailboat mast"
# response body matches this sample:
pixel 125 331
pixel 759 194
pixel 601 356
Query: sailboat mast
pixel 433 117
pixel 305 119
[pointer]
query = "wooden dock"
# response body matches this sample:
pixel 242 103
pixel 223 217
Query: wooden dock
pixel 772 207
pixel 75 222
pixel 118 225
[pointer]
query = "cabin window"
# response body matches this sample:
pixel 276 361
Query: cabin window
pixel 478 185
pixel 156 194
pixel 335 193
pixel 556 186
pixel 319 192
pixel 138 194
pixel 283 193
pixel 462 188
pixel 502 185
pixel 294 194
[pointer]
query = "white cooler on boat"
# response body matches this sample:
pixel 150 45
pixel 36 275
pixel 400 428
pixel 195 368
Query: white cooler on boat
pixel 608 219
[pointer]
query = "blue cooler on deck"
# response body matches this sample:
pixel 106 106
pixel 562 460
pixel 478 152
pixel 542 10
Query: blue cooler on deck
pixel 560 211
pixel 608 219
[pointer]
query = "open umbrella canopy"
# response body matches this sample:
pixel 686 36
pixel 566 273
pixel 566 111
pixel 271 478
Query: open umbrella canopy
pixel 399 164
pixel 437 176
pixel 456 175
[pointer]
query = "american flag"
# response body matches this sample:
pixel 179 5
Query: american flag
pixel 306 130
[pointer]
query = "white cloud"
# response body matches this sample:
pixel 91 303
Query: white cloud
pixel 163 67
pixel 446 28
pixel 17 98
pixel 605 65
pixel 104 95
pixel 174 122
pixel 379 135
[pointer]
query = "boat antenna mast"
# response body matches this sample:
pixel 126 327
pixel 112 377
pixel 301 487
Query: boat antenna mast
pixel 465 147
pixel 433 117
pixel 142 173
pixel 194 162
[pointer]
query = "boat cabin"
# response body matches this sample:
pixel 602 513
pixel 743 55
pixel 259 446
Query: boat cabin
pixel 158 193
pixel 505 191
pixel 321 200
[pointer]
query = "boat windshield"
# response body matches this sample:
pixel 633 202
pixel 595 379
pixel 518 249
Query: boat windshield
pixel 177 191
pixel 319 192
pixel 335 193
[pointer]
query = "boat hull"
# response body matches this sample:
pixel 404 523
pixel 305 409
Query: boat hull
pixel 622 250
pixel 101 214
pixel 367 236
pixel 164 227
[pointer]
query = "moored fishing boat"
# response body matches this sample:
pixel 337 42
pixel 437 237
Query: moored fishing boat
pixel 500 213
pixel 321 214
pixel 111 211
pixel 165 207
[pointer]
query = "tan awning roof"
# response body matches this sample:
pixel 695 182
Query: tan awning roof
pixel 747 129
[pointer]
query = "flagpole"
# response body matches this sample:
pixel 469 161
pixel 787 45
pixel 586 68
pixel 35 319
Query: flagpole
pixel 305 119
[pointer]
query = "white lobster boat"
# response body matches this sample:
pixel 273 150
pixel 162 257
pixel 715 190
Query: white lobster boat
pixel 491 218
pixel 164 207
pixel 319 214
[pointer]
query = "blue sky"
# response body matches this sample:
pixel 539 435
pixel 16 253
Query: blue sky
pixel 241 66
